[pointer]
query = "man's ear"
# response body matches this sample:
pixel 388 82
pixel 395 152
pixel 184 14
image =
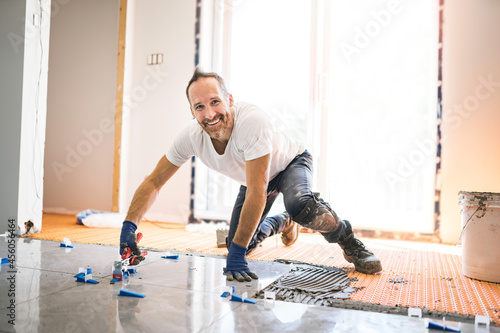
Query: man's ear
pixel 192 113
pixel 231 100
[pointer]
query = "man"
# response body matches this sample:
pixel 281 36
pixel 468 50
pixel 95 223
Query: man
pixel 237 140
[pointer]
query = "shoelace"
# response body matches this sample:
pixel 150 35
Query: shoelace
pixel 356 246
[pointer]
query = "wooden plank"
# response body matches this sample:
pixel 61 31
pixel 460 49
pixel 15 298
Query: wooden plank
pixel 119 105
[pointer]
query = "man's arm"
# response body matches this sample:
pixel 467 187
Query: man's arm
pixel 146 193
pixel 257 176
pixel 144 197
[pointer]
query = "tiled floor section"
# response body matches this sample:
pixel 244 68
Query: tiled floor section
pixel 181 296
pixel 427 275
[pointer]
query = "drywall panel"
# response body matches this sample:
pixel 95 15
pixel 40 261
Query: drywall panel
pixel 34 111
pixel 471 106
pixel 12 15
pixel 81 97
pixel 23 88
pixel 156 107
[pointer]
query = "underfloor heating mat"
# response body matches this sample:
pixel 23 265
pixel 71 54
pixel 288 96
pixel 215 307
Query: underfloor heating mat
pixel 332 287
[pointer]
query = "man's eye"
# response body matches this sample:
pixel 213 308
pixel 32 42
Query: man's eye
pixel 215 102
pixel 199 107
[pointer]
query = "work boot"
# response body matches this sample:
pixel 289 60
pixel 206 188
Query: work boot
pixel 290 232
pixel 355 252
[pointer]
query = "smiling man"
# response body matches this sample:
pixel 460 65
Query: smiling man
pixel 237 140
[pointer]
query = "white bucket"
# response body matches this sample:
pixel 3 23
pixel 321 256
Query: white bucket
pixel 481 235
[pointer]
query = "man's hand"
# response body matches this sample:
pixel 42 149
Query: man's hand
pixel 128 243
pixel 237 265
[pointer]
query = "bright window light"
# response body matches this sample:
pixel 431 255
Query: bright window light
pixel 357 78
pixel 382 124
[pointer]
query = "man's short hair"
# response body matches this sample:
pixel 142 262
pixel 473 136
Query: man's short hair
pixel 198 73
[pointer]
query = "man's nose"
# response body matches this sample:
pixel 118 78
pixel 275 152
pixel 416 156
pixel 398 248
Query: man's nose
pixel 210 113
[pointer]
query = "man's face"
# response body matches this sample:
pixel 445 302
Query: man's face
pixel 211 108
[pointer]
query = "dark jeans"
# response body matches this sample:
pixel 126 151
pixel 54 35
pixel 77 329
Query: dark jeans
pixel 295 184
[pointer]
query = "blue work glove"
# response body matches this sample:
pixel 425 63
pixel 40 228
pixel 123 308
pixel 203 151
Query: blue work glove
pixel 128 238
pixel 128 244
pixel 237 265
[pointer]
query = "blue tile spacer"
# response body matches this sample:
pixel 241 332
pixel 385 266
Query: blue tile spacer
pixel 225 294
pixel 436 326
pixel 175 256
pixel 236 298
pixel 248 300
pixel 82 279
pixel 5 261
pixel 124 292
pixel 114 280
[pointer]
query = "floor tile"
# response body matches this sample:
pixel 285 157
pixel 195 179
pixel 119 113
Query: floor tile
pixel 34 283
pixel 182 295
pixel 48 255
pixel 98 308
pixel 204 273
pixel 279 316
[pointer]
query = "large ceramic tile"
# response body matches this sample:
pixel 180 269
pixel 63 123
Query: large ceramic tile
pixel 267 316
pixel 28 245
pixel 29 283
pixel 98 308
pixel 181 296
pixel 203 273
pixel 49 256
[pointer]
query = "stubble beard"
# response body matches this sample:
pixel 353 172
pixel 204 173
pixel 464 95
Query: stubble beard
pixel 217 134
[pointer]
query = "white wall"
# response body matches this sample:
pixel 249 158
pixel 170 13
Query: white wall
pixel 157 106
pixel 82 83
pixel 81 96
pixel 24 44
pixel 471 109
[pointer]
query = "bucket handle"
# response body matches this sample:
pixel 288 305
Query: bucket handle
pixel 481 205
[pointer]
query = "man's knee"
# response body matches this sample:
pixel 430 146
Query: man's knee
pixel 306 209
pixel 297 199
pixel 316 214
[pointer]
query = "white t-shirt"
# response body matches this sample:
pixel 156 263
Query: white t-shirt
pixel 253 136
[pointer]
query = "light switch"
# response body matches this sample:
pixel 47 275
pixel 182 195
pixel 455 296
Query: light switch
pixel 155 59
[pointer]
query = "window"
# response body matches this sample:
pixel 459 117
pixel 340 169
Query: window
pixel 355 80
pixel 382 113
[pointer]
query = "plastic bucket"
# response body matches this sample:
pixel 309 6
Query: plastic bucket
pixel 481 235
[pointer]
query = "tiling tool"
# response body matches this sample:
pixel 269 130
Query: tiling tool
pixel 131 258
